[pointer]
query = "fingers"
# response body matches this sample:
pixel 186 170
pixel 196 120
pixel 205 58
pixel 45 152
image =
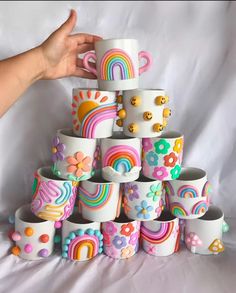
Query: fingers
pixel 79 72
pixel 83 48
pixel 85 38
pixel 69 24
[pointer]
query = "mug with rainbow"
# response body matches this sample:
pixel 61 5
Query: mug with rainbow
pixel 99 200
pixel 117 64
pixel 93 112
pixel 188 196
pixel 81 239
pixel 161 237
pixel 53 198
pixel 121 158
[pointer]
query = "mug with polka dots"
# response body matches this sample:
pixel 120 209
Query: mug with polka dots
pixel 162 156
pixel 33 237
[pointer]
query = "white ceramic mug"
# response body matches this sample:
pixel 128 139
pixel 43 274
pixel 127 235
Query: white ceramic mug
pixel 117 64
pixel 121 158
pixel 161 237
pixel 99 199
pixel 53 198
pixel 143 113
pixel 204 235
pixel 81 239
pixel 189 194
pixel 33 236
pixel 142 199
pixel 162 156
pixel 121 237
pixel 72 156
pixel 93 112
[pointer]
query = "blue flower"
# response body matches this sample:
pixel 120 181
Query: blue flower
pixel 143 210
pixel 152 158
pixel 119 242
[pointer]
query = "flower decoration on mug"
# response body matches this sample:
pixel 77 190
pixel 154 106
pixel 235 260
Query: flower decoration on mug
pixel 162 146
pixel 110 228
pixel 78 164
pixel 127 251
pixel 155 191
pixel 57 150
pixel 106 238
pixel 143 210
pixel 97 157
pixel 152 158
pixel 175 172
pixel 131 190
pixel 127 229
pixel 160 173
pixel 119 242
pixel 134 238
pixel 170 160
pixel 178 145
pixel 147 144
pixel 159 209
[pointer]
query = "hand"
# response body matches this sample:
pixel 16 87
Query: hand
pixel 60 52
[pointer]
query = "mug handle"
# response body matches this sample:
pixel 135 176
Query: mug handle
pixel 225 227
pixel 87 56
pixel 148 57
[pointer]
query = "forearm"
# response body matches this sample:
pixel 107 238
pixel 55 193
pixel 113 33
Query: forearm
pixel 17 74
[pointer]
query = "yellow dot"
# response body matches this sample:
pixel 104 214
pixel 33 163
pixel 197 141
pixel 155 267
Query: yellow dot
pixel 144 211
pixel 54 150
pixel 15 250
pixel 122 113
pixel 80 165
pixel 29 231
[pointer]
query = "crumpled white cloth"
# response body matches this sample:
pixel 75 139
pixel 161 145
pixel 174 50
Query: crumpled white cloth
pixel 194 50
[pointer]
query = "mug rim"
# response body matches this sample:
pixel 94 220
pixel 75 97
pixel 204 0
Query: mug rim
pixel 93 89
pixel 72 135
pixel 150 90
pixel 54 177
pixel 191 177
pixel 119 135
pixel 163 214
pixel 98 179
pixel 116 39
pixel 208 217
pixel 25 211
pixel 144 179
pixel 123 219
pixel 169 135
pixel 79 219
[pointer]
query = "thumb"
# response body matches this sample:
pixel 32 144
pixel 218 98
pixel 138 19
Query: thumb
pixel 69 24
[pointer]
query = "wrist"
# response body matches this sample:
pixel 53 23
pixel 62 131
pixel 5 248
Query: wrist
pixel 40 66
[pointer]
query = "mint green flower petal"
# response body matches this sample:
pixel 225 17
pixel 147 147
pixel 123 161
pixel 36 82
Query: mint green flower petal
pixel 150 194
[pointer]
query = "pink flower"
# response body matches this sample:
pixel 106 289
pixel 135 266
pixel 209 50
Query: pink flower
pixel 160 173
pixel 78 164
pixel 110 228
pixel 147 144
pixel 134 238
pixel 106 238
pixel 146 168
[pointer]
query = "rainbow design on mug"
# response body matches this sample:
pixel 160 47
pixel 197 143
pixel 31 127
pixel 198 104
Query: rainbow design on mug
pixel 207 189
pixel 116 58
pixel 121 155
pixel 91 240
pixel 159 236
pixel 178 209
pixel 96 116
pixel 98 199
pixel 200 208
pixel 187 191
pixel 168 188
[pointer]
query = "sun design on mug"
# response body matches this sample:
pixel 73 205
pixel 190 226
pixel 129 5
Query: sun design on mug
pixel 89 108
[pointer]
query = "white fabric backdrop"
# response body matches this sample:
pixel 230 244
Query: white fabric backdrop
pixel 194 50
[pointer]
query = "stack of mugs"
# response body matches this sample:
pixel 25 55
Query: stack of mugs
pixel 108 190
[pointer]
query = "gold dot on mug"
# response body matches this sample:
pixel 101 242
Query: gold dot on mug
pixel 135 101
pixel 147 115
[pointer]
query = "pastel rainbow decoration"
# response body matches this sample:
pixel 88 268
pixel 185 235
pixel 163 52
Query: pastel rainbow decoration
pixel 51 212
pixel 116 58
pixel 36 184
pixel 79 240
pixel 125 155
pixel 207 189
pixel 159 236
pixel 96 116
pixel 200 208
pixel 168 188
pixel 187 191
pixel 178 209
pixel 98 199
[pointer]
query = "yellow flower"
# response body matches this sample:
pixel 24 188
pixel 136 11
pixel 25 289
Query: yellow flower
pixel 178 145
pixel 127 252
